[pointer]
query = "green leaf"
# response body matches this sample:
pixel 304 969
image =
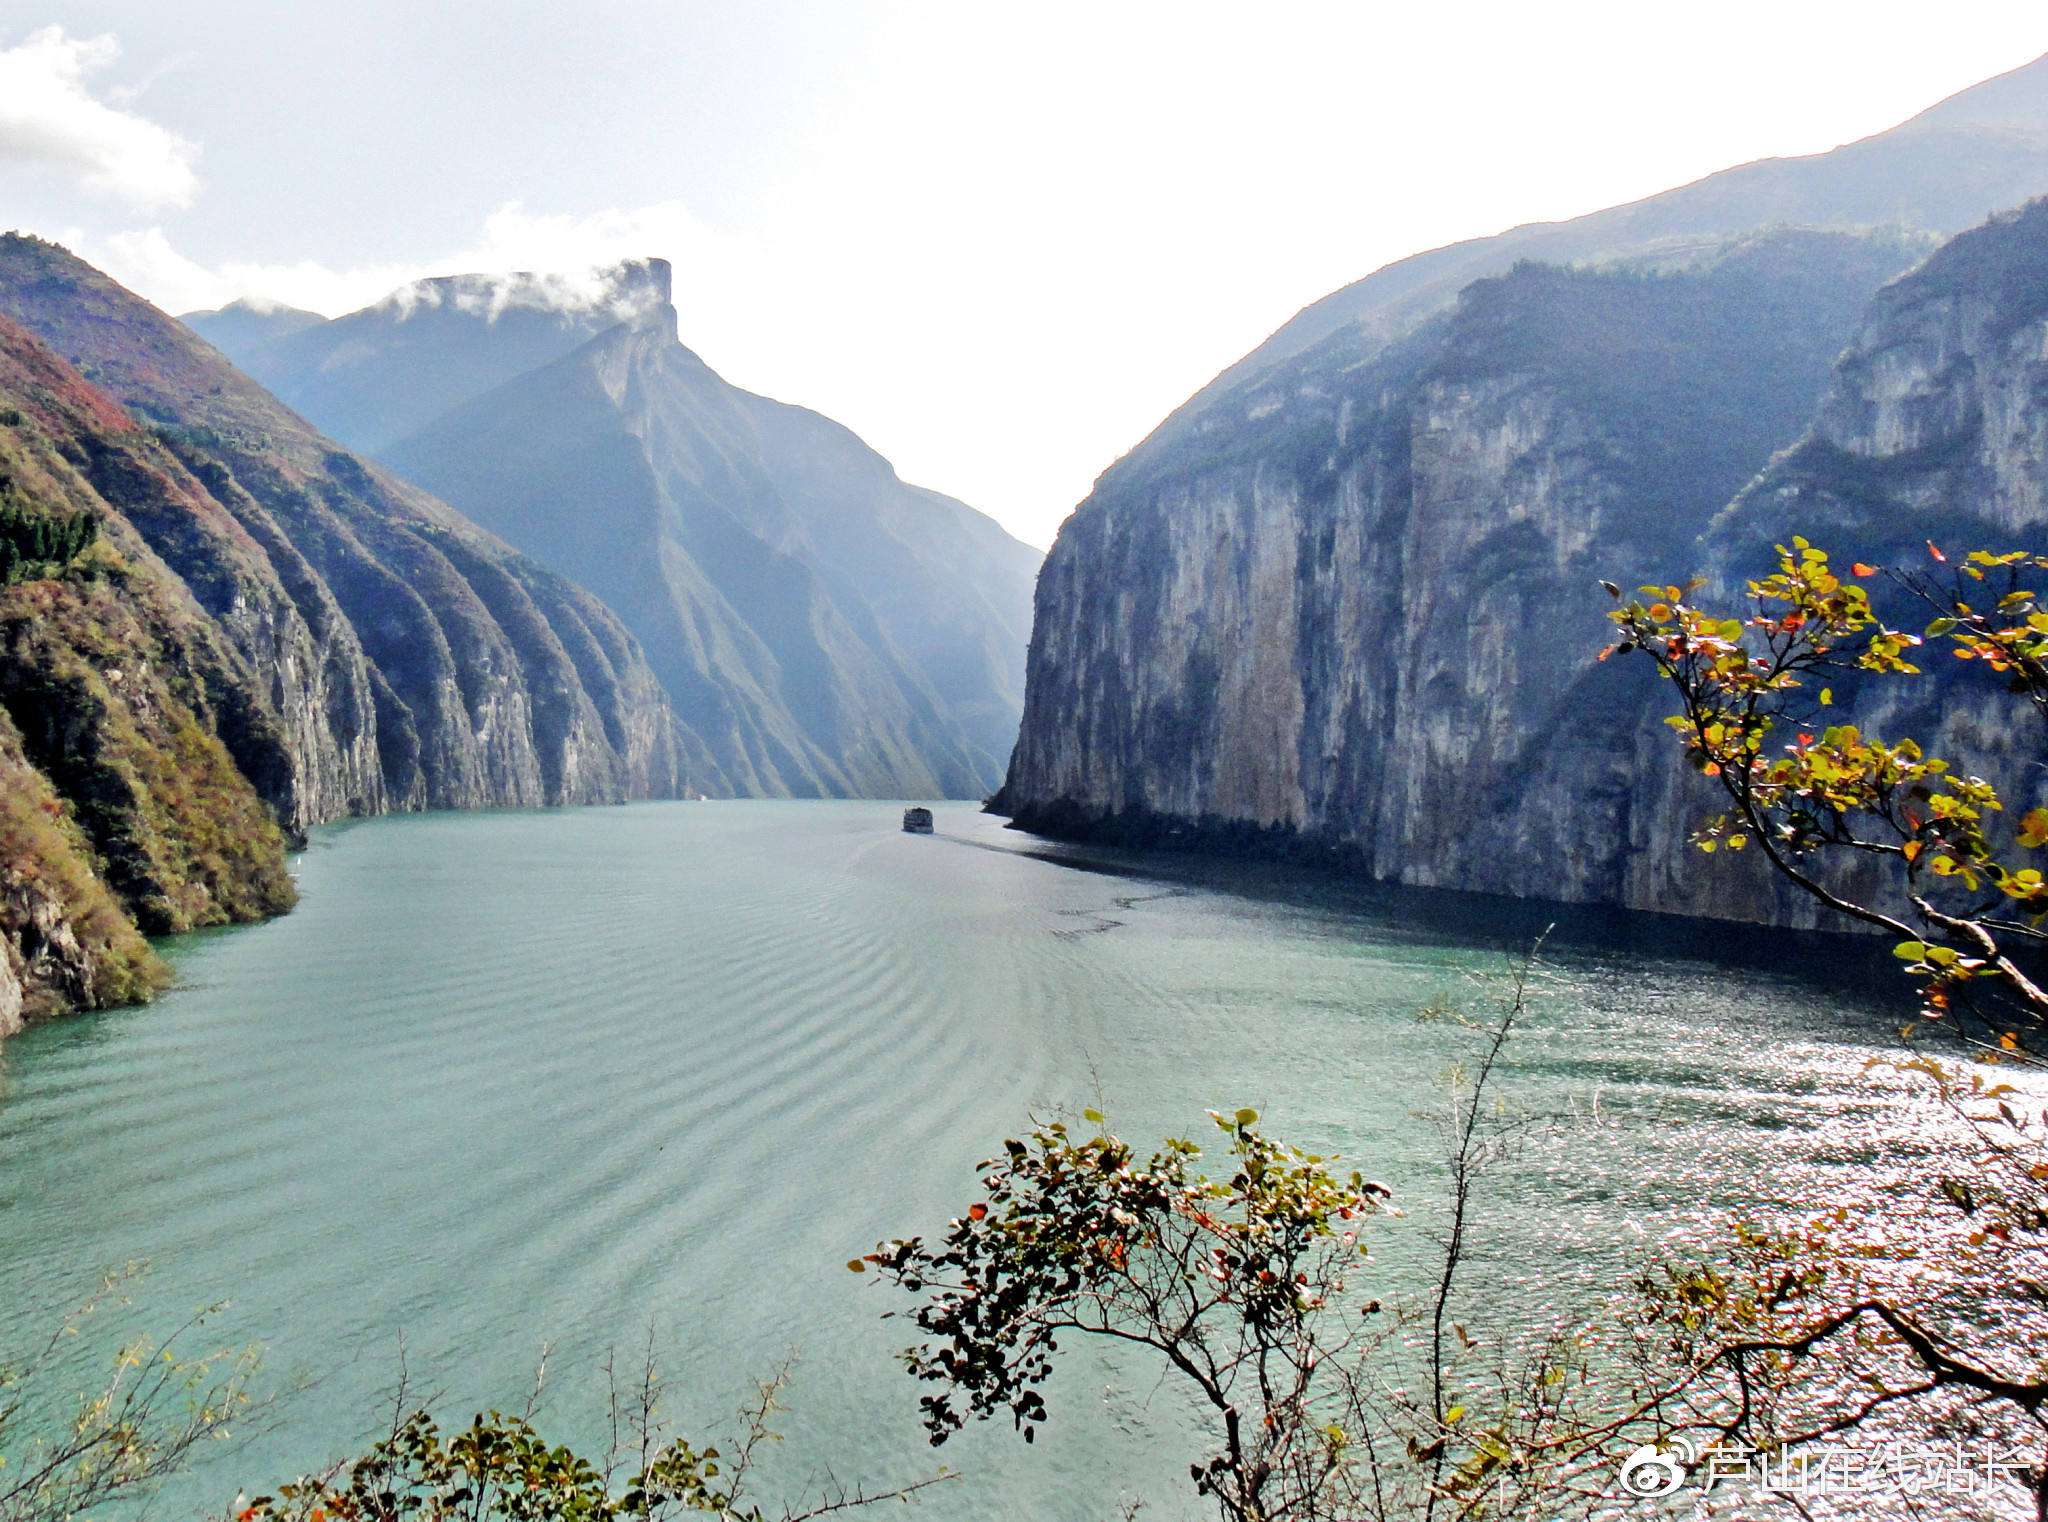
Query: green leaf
pixel 1093 1117
pixel 1941 626
pixel 1247 1117
pixel 1910 951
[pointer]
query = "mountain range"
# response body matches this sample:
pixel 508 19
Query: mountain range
pixel 823 628
pixel 1948 168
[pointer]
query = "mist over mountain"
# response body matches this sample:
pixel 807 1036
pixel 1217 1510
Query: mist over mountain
pixel 373 376
pixel 826 628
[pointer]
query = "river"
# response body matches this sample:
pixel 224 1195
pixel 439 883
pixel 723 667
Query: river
pixel 585 1077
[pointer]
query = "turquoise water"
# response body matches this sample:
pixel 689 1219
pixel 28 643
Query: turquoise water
pixel 579 1078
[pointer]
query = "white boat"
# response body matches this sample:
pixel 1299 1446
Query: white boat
pixel 918 821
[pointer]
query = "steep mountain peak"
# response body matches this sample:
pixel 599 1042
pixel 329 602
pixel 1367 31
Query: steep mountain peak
pixel 827 628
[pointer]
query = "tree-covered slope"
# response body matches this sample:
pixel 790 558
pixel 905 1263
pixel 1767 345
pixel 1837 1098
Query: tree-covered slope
pixel 141 755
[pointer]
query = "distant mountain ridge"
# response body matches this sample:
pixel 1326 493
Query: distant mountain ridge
pixel 1981 150
pixel 824 627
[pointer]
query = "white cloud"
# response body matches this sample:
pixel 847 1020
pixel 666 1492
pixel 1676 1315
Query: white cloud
pixel 49 121
pixel 569 253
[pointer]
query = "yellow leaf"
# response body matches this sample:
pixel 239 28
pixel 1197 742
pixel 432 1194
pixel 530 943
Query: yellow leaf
pixel 1827 695
pixel 2034 828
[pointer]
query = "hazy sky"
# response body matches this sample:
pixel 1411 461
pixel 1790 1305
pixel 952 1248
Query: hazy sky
pixel 999 241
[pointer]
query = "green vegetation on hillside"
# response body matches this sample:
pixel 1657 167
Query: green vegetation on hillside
pixel 103 690
pixel 123 814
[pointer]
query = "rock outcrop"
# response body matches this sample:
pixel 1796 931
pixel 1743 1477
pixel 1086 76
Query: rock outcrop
pixel 1352 610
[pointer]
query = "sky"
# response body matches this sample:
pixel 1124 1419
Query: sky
pixel 1000 242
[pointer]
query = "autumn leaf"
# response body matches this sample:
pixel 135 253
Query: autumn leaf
pixel 2034 828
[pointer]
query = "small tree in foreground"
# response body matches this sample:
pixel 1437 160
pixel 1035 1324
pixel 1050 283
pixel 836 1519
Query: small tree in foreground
pixel 501 1469
pixel 1754 691
pixel 158 1403
pixel 1245 1287
pixel 1938 1316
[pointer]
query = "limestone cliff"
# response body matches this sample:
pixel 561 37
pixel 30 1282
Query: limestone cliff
pixel 1351 610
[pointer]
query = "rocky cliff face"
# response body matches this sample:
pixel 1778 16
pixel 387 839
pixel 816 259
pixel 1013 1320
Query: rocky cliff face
pixel 826 629
pixel 1352 609
pixel 1935 432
